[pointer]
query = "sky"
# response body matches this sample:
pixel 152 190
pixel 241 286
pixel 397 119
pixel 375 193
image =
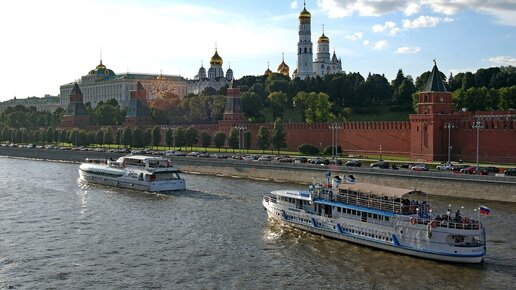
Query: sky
pixel 46 44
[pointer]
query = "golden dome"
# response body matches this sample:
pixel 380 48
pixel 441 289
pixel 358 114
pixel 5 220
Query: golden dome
pixel 305 14
pixel 323 38
pixel 216 59
pixel 268 72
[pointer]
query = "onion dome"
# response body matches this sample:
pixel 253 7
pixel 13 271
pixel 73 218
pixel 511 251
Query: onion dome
pixel 216 59
pixel 305 15
pixel 323 38
pixel 267 73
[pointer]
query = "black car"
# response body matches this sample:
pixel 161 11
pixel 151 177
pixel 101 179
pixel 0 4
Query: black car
pixel 353 163
pixel 510 172
pixel 381 164
pixel 491 169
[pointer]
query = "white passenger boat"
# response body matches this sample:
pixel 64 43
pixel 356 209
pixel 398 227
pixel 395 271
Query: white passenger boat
pixel 380 217
pixel 148 173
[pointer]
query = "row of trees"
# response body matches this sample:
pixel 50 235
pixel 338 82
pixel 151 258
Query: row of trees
pixel 137 137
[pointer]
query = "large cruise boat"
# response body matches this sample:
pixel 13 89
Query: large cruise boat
pixel 139 172
pixel 380 217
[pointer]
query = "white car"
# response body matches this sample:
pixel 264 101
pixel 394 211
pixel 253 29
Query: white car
pixel 445 166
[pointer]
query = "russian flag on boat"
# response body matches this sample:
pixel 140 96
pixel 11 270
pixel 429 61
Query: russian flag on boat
pixel 485 210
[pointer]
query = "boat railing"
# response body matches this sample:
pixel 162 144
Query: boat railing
pixel 399 206
pixel 446 222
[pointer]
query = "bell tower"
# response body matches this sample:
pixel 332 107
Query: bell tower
pixel 304 46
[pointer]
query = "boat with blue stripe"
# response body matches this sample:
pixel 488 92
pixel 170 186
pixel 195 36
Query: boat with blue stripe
pixel 382 217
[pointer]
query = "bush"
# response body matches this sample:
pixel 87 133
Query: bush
pixel 308 149
pixel 328 151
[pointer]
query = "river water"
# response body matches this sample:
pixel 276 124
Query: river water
pixel 58 233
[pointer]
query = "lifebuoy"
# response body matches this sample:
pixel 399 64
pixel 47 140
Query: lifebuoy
pixel 413 220
pixel 433 224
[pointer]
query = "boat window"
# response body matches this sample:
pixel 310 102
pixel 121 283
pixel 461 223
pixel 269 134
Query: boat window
pixel 353 212
pixel 375 216
pixel 386 218
pixel 369 215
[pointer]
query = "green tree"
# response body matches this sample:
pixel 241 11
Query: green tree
pixel 219 139
pixel 278 102
pixel 108 136
pixel 234 139
pixel 278 136
pixel 147 137
pixel 263 138
pixel 191 136
pixel 138 138
pixel 205 140
pixel 156 136
pixel 99 136
pixel 127 136
pixel 247 140
pixel 169 137
pixel 179 137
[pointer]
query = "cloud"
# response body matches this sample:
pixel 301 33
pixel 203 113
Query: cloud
pixel 355 36
pixel 343 8
pixel 365 42
pixel 379 45
pixel 406 49
pixel 412 8
pixel 293 5
pixel 421 22
pixel 503 60
pixel 387 26
pixel 502 11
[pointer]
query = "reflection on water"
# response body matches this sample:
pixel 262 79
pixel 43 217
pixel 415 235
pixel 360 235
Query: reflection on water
pixel 60 233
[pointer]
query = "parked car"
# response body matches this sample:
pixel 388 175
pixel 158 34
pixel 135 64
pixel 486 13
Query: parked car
pixel 458 167
pixel 265 158
pixel 419 167
pixel 445 166
pixel 301 160
pixel 353 163
pixel 287 159
pixel 335 161
pixel 406 165
pixel 380 164
pixel 491 169
pixel 469 170
pixel 510 172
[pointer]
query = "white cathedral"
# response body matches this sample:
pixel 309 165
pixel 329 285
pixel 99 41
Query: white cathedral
pixel 214 79
pixel 323 64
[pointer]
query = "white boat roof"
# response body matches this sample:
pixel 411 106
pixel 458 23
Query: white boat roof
pixel 303 195
pixel 375 189
pixel 143 157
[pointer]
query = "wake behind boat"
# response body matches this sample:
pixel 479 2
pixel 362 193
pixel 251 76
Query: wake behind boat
pixel 380 217
pixel 139 172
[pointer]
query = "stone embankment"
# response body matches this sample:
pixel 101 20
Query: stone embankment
pixel 437 183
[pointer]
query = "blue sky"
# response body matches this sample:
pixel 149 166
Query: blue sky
pixel 49 43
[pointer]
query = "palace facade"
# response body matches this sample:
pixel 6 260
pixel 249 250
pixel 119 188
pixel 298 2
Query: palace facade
pixel 102 84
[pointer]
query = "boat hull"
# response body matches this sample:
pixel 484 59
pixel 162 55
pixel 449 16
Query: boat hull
pixel 278 215
pixel 133 183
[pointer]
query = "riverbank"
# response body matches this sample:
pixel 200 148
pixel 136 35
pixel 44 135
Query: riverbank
pixel 443 184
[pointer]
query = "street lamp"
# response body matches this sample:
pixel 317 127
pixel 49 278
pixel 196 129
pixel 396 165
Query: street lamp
pixel 240 128
pixel 449 126
pixel 381 152
pixel 334 138
pixel 478 125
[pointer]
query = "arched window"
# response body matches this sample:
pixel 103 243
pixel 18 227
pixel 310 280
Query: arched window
pixel 305 49
pixel 300 50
